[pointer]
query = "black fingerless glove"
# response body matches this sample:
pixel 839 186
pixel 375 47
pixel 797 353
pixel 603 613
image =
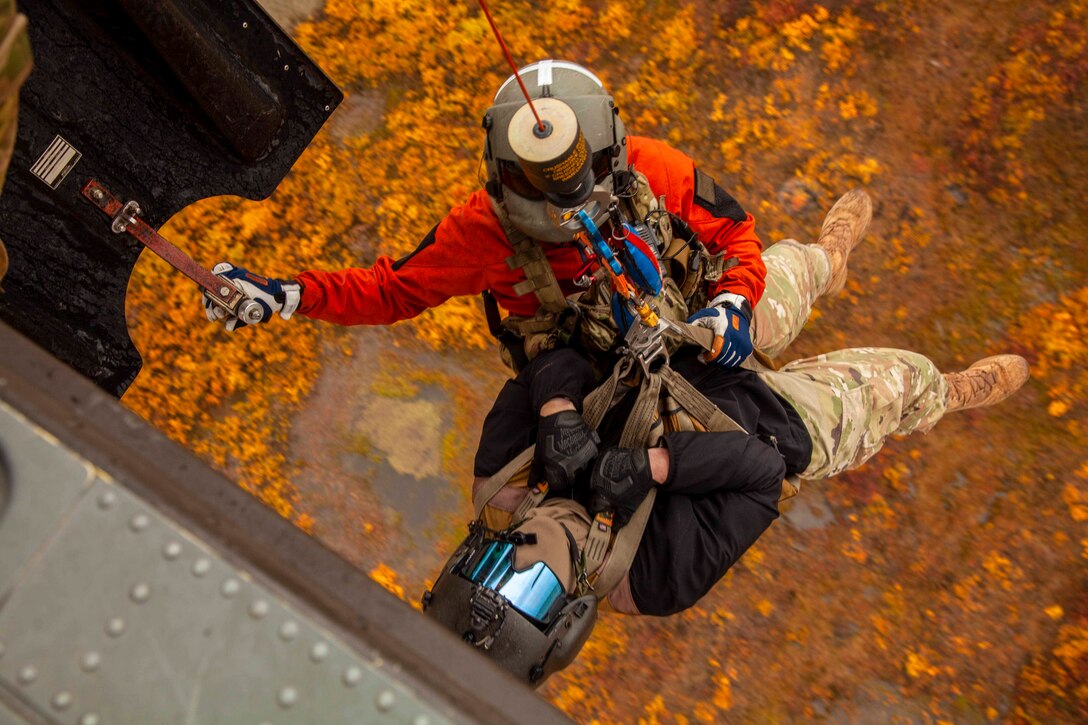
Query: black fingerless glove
pixel 564 446
pixel 620 481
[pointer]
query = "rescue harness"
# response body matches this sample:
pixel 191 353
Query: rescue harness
pixel 592 319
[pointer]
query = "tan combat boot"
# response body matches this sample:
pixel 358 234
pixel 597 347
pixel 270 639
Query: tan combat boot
pixel 988 381
pixel 844 226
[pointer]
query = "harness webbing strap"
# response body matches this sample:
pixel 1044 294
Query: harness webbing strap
pixel 695 334
pixel 643 414
pixel 608 554
pixel 624 547
pixel 598 402
pixel 520 260
pixel 530 502
pixel 539 276
pixel 699 408
pixel 697 405
pixel 634 435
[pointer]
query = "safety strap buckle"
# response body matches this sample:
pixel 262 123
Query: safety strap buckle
pixel 646 344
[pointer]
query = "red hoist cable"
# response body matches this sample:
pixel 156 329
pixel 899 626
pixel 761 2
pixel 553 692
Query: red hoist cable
pixel 510 60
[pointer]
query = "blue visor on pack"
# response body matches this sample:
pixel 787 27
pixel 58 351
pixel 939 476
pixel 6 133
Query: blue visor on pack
pixel 535 591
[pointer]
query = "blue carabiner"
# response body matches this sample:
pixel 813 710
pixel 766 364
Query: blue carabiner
pixel 599 245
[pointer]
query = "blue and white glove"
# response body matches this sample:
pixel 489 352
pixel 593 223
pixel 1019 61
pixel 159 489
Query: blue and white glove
pixel 729 316
pixel 273 295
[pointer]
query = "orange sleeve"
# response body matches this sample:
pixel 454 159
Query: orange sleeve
pixel 719 221
pixel 452 260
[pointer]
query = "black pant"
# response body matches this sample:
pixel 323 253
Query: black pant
pixel 510 427
pixel 722 489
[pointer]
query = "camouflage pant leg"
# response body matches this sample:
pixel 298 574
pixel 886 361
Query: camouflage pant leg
pixel 852 400
pixel 796 276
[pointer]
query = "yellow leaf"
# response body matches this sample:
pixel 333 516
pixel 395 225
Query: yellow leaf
pixel 723 695
pixel 1057 408
pixel 1076 501
pixel 917 666
pixel 388 579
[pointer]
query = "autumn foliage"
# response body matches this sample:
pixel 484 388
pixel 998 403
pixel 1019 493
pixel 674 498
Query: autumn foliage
pixel 943 582
pixel 228 397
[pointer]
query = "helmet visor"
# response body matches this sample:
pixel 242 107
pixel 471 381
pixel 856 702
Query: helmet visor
pixel 535 591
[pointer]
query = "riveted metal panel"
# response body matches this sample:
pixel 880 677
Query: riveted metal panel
pixel 50 479
pixel 85 601
pixel 124 617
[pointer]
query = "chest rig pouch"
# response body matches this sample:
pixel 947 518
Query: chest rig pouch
pixel 585 319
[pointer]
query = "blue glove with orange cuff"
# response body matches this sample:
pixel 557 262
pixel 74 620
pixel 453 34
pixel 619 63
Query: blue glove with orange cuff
pixel 274 295
pixel 729 316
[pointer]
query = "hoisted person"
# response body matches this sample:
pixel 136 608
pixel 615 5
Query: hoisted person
pixel 519 588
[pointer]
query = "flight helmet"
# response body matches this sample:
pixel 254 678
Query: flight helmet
pixel 532 176
pixel 511 595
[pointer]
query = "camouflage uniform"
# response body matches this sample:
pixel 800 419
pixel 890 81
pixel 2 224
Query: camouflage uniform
pixel 850 400
pixel 15 62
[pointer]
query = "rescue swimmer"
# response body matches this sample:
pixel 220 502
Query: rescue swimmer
pixel 519 588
